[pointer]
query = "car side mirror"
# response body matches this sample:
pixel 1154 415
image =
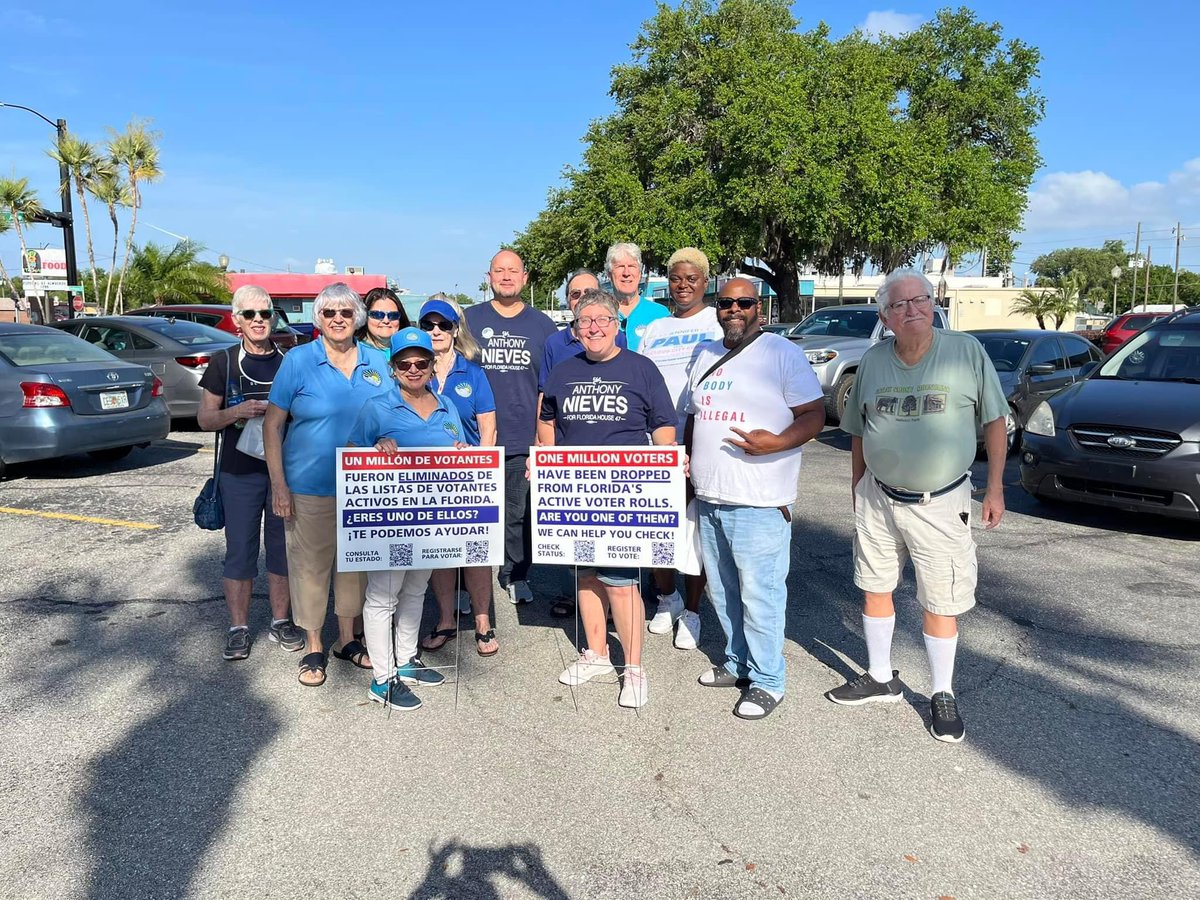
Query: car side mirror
pixel 1041 369
pixel 1087 369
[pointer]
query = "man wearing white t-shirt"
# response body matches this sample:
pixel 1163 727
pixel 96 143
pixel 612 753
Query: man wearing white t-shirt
pixel 755 401
pixel 672 344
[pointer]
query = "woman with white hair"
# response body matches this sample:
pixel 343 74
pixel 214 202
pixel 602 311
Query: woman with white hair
pixel 321 386
pixel 236 384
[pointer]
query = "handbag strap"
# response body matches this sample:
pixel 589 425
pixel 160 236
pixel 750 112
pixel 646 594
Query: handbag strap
pixel 219 443
pixel 728 356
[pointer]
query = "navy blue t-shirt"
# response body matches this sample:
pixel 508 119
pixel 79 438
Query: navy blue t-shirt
pixel 512 357
pixel 618 402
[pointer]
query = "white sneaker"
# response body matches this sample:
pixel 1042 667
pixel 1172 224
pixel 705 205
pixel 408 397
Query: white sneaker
pixel 670 608
pixel 687 631
pixel 587 667
pixel 635 690
pixel 519 592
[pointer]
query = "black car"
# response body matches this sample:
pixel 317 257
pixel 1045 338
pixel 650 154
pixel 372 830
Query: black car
pixel 1033 366
pixel 1128 436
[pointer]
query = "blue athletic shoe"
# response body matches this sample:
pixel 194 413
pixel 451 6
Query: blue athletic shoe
pixel 393 694
pixel 416 672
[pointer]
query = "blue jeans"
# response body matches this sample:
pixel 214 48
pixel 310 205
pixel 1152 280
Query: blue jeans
pixel 747 554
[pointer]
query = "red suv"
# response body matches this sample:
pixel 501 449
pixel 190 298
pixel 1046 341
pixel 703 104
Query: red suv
pixel 218 315
pixel 1122 328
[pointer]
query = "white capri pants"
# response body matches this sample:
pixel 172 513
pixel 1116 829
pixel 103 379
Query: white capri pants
pixel 392 617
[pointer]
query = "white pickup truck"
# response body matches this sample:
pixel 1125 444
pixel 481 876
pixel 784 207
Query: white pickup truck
pixel 835 338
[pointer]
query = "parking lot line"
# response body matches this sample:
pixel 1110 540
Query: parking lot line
pixel 69 517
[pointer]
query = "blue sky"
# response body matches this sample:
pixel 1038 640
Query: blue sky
pixel 414 138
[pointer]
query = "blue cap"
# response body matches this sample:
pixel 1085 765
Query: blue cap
pixel 411 339
pixel 442 308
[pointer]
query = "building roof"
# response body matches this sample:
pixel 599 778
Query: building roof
pixel 291 284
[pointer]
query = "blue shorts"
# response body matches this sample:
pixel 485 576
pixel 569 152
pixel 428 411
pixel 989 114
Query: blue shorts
pixel 247 502
pixel 613 576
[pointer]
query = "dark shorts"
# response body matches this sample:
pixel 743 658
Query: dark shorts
pixel 613 576
pixel 247 501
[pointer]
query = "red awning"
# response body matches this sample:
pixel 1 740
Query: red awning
pixel 283 285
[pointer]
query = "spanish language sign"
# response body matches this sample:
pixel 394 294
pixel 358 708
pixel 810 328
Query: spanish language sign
pixel 607 506
pixel 422 508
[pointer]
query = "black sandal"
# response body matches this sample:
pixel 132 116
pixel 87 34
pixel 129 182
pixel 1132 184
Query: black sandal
pixel 313 662
pixel 353 652
pixel 562 608
pixel 446 635
pixel 760 697
pixel 484 638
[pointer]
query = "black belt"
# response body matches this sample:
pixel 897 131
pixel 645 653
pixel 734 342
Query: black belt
pixel 917 497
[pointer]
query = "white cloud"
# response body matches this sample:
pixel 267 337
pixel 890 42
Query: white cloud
pixel 1088 199
pixel 887 21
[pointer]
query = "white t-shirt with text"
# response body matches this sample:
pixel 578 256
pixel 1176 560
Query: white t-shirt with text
pixel 672 344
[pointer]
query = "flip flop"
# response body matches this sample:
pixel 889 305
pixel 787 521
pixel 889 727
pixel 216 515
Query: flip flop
pixel 446 635
pixel 562 608
pixel 353 652
pixel 313 662
pixel 482 638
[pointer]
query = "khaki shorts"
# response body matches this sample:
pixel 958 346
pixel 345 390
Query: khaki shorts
pixel 936 536
pixel 312 561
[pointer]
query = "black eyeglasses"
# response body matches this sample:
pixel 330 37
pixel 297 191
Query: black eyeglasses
pixel 430 325
pixel 742 302
pixel 403 365
pixel 333 313
pixel 251 314
pixel 379 315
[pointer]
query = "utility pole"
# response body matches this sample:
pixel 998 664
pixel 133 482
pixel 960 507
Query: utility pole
pixel 1137 245
pixel 1146 294
pixel 1178 241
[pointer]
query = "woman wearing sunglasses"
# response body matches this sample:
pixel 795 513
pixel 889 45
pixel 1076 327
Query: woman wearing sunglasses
pixel 635 404
pixel 321 386
pixel 385 316
pixel 460 379
pixel 408 415
pixel 235 386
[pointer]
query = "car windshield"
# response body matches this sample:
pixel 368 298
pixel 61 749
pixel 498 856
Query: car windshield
pixel 1158 354
pixel 834 322
pixel 191 334
pixel 40 348
pixel 1005 352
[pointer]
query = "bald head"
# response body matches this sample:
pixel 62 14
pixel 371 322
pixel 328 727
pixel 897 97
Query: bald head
pixel 507 276
pixel 737 310
pixel 738 287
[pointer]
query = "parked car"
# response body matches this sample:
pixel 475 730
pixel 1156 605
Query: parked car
pixel 1033 366
pixel 1128 435
pixel 835 338
pixel 60 395
pixel 220 316
pixel 1122 328
pixel 784 329
pixel 306 330
pixel 177 351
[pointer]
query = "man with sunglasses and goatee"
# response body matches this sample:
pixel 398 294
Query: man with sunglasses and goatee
pixel 754 402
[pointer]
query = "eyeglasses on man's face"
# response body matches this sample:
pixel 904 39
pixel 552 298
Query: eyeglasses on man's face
pixel 602 321
pixel 251 314
pixel 336 313
pixel 380 316
pixel 727 303
pixel 921 302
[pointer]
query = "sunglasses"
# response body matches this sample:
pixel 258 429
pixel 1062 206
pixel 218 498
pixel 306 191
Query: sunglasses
pixel 431 325
pixel 405 365
pixel 379 315
pixel 334 313
pixel 576 294
pixel 742 302
pixel 251 314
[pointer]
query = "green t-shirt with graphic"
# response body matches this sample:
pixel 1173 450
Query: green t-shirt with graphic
pixel 918 423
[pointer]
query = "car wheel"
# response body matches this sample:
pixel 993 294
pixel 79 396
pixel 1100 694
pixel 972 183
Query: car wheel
pixel 841 394
pixel 112 454
pixel 1012 430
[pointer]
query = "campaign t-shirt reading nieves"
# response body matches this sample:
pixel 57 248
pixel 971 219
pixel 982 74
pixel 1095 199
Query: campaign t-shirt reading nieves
pixel 617 402
pixel 563 345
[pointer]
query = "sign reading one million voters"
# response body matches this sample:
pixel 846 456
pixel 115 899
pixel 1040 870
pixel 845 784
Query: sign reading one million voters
pixel 420 508
pixel 607 506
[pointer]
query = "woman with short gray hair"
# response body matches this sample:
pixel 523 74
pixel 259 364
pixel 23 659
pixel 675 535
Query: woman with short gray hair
pixel 321 386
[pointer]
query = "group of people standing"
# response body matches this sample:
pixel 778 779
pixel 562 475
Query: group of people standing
pixel 741 400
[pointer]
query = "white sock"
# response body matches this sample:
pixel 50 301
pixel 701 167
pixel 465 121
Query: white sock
pixel 941 661
pixel 239 628
pixel 878 632
pixel 750 708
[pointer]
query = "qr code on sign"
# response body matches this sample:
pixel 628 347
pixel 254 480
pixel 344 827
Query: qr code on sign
pixel 477 553
pixel 400 556
pixel 585 552
pixel 662 553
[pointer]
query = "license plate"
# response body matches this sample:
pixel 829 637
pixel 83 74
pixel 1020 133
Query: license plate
pixel 114 400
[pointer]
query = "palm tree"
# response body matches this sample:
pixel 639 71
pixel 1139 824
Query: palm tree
pixel 1038 304
pixel 4 226
pixel 84 165
pixel 159 275
pixel 19 201
pixel 135 151
pixel 112 192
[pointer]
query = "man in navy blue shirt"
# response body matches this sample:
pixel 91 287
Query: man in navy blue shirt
pixel 565 343
pixel 512 336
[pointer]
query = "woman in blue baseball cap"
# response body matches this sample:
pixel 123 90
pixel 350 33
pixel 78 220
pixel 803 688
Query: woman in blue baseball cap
pixel 408 415
pixel 459 378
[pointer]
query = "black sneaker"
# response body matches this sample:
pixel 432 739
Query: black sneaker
pixel 286 635
pixel 947 724
pixel 237 643
pixel 865 689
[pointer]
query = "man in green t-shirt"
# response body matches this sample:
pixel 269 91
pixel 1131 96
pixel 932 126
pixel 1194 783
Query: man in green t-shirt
pixel 913 413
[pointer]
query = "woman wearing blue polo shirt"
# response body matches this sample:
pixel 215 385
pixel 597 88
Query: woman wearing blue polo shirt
pixel 321 386
pixel 409 415
pixel 460 379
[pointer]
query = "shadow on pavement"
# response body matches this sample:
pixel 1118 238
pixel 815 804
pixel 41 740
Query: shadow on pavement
pixel 460 871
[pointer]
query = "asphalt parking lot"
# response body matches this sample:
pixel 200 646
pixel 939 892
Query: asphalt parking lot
pixel 137 763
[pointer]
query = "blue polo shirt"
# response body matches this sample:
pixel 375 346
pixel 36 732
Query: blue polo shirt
pixel 468 389
pixel 323 404
pixel 562 346
pixel 387 415
pixel 634 325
